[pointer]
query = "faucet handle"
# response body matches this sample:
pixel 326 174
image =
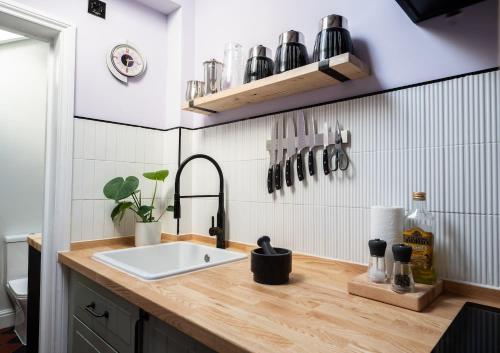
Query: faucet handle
pixel 213 221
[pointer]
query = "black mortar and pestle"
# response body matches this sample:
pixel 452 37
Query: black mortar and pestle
pixel 270 265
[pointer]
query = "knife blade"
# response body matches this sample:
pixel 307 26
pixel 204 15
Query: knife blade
pixel 313 140
pixel 329 141
pixel 271 148
pixel 290 150
pixel 301 144
pixel 279 155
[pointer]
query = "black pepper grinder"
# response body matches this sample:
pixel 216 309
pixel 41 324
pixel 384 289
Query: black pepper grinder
pixel 402 278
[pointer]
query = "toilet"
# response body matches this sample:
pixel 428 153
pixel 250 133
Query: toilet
pixel 16 280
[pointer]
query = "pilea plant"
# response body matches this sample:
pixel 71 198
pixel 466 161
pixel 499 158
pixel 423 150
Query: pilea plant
pixel 127 196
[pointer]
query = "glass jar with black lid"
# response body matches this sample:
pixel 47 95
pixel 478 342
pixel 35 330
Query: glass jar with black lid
pixel 259 64
pixel 333 38
pixel 402 277
pixel 291 52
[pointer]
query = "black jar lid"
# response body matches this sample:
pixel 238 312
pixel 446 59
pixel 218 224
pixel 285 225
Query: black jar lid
pixel 401 252
pixel 377 247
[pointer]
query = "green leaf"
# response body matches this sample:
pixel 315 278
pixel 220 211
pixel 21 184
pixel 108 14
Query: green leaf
pixel 119 210
pixel 143 210
pixel 159 175
pixel 118 188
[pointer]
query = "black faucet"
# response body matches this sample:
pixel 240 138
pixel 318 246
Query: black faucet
pixel 218 231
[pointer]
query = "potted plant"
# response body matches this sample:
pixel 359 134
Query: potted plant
pixel 127 196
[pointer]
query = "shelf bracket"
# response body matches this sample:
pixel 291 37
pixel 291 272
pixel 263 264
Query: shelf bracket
pixel 324 67
pixel 191 105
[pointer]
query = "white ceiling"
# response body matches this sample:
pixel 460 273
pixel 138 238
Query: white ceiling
pixel 164 6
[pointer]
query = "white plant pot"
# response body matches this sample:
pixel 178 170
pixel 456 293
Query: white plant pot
pixel 147 233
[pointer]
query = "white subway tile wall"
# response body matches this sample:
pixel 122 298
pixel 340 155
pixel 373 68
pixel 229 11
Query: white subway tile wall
pixel 442 138
pixel 103 151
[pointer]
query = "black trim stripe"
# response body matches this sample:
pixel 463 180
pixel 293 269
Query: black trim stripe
pixel 324 67
pixel 307 106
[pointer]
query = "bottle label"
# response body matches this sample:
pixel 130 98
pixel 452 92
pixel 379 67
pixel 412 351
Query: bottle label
pixel 422 244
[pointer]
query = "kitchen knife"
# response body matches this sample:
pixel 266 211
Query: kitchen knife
pixel 279 155
pixel 329 141
pixel 271 148
pixel 290 150
pixel 301 144
pixel 313 140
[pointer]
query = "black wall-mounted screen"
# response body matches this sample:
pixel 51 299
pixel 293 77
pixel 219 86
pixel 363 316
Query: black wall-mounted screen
pixel 419 10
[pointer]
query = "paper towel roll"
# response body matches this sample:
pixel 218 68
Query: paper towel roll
pixel 387 224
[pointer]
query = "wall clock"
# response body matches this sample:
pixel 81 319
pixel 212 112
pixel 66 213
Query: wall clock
pixel 126 61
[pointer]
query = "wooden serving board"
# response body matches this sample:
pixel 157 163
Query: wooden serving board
pixel 417 300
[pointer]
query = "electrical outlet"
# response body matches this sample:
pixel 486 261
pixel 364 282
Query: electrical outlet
pixel 97 8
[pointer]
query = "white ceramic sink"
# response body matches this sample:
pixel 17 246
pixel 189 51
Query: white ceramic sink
pixel 163 260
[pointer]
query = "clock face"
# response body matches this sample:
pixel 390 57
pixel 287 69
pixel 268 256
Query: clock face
pixel 127 60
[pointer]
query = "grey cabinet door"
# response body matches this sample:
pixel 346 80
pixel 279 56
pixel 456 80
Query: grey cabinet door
pixel 86 341
pixel 162 338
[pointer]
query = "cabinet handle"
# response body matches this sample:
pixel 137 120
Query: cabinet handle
pixel 91 310
pixel 139 331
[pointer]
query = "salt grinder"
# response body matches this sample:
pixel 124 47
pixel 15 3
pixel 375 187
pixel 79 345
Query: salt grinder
pixel 376 267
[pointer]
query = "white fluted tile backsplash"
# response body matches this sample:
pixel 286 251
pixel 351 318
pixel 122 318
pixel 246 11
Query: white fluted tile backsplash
pixel 442 138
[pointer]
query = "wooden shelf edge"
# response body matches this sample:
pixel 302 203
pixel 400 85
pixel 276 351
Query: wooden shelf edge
pixel 316 75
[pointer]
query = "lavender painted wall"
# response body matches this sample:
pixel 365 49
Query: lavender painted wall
pixel 97 93
pixel 398 51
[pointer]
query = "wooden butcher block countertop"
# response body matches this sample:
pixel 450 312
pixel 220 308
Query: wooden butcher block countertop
pixel 226 310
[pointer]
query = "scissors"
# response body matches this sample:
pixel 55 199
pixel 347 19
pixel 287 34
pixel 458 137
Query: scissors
pixel 340 160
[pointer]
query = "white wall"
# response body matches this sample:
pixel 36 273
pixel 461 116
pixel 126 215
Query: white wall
pixel 23 90
pixel 398 51
pixel 443 138
pixel 97 93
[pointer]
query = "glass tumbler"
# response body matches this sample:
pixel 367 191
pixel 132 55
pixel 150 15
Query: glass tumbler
pixel 213 76
pixel 232 73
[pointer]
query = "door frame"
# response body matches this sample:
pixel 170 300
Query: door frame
pixel 56 228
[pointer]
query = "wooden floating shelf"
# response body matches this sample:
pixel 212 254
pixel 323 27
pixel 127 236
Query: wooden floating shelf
pixel 317 75
pixel 421 297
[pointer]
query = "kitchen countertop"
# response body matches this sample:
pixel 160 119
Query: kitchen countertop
pixel 226 310
pixel 35 241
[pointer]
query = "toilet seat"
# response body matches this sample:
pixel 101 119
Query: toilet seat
pixel 19 288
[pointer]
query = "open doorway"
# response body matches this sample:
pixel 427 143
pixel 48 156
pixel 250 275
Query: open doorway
pixel 23 108
pixel 37 90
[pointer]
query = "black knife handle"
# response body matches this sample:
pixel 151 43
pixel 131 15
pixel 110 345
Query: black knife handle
pixel 300 167
pixel 270 180
pixel 326 168
pixel 310 162
pixel 288 172
pixel 277 176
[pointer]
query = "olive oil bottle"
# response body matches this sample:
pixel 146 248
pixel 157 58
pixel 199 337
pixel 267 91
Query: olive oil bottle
pixel 419 234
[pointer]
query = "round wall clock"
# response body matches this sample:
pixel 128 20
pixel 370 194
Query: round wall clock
pixel 125 61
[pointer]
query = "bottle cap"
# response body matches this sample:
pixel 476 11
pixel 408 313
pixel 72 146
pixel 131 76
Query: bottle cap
pixel 377 247
pixel 401 252
pixel 419 195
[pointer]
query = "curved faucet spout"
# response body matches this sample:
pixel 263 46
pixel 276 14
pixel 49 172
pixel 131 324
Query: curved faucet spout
pixel 220 233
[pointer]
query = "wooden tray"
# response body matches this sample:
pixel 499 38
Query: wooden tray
pixel 423 295
pixel 329 72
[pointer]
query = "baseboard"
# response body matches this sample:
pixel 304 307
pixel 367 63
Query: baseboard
pixel 6 318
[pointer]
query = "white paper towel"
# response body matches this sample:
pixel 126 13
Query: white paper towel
pixel 387 224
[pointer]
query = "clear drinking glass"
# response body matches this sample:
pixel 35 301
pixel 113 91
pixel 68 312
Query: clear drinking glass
pixel 232 74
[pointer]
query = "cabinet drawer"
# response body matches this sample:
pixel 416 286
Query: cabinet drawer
pixel 109 316
pixel 86 341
